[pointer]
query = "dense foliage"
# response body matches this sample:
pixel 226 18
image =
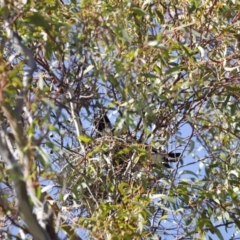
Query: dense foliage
pixel 160 75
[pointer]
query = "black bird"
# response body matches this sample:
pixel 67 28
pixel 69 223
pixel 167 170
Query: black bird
pixel 164 158
pixel 103 126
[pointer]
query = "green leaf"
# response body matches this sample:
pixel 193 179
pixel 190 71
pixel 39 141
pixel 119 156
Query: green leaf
pixel 160 16
pixel 43 157
pixel 162 196
pixel 218 233
pixel 188 172
pixel 149 75
pixel 233 88
pixel 38 20
pixel 49 102
pixel 85 138
pixel 174 70
pixel 124 34
pixel 122 188
pixel 138 11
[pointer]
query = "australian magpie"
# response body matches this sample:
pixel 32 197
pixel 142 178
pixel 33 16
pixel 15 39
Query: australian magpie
pixel 164 158
pixel 103 126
